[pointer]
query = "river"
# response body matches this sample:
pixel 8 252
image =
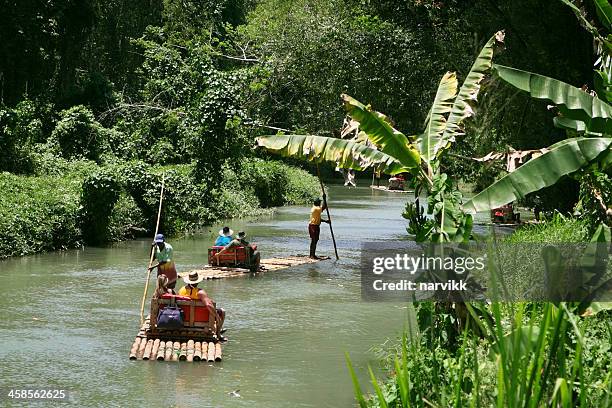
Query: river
pixel 69 318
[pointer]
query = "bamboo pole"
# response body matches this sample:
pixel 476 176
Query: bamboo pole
pixel 155 349
pixel 331 229
pixel 168 355
pixel 141 349
pixel 162 351
pixel 204 351
pixel 183 354
pixel 134 350
pixel 176 350
pixel 211 351
pixel 146 288
pixel 147 350
pixel 197 352
pixel 218 356
pixel 190 350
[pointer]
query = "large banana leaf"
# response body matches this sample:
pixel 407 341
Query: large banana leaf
pixel 344 153
pixel 604 12
pixel 563 158
pixel 573 102
pixel 380 132
pixel 462 108
pixel 435 124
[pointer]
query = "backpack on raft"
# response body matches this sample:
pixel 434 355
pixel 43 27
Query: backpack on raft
pixel 170 317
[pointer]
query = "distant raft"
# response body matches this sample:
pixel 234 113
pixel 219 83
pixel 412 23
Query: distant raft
pixel 266 265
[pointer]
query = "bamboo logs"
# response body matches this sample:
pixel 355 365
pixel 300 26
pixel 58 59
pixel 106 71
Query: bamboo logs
pixel 134 350
pixel 205 351
pixel 168 356
pixel 162 351
pixel 190 345
pixel 211 351
pixel 197 352
pixel 141 349
pixel 176 350
pixel 155 349
pixel 218 352
pixel 191 350
pixel 147 350
pixel 183 352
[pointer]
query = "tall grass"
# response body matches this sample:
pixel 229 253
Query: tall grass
pixel 531 356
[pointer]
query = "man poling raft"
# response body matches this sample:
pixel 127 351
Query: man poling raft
pixel 165 264
pixel 314 226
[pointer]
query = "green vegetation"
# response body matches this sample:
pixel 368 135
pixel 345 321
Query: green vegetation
pixel 88 204
pixel 527 354
pixel 533 355
pixel 99 99
pixel 520 336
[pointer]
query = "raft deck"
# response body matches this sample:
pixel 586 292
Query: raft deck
pixel 181 348
pixel 382 188
pixel 266 265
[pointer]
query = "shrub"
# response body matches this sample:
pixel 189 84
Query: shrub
pixel 276 184
pixel 38 214
pixel 100 193
pixel 78 135
pixel 20 128
pixel 126 220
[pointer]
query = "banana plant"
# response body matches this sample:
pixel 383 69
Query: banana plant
pixel 562 159
pixel 394 152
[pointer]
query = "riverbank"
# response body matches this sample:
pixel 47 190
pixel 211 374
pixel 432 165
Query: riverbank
pixel 74 203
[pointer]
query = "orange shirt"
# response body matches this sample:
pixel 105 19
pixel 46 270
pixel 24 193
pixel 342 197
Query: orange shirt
pixel 315 215
pixel 191 292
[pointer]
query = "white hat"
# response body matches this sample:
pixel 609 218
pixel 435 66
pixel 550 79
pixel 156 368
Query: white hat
pixel 226 234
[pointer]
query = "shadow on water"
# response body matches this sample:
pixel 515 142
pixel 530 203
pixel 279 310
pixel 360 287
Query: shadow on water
pixel 71 317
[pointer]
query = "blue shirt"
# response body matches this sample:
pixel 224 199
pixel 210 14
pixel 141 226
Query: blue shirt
pixel 223 240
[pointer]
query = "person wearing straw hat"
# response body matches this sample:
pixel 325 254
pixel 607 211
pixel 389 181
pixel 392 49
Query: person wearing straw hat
pixel 165 263
pixel 191 290
pixel 225 236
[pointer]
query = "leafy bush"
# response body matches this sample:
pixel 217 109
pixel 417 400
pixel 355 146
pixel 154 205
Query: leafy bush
pixel 38 214
pixel 276 184
pixel 78 135
pixel 99 194
pixel 126 220
pixel 20 128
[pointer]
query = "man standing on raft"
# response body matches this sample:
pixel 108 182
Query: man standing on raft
pixel 165 262
pixel 314 227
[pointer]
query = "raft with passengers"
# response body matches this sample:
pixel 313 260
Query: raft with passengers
pixel 187 325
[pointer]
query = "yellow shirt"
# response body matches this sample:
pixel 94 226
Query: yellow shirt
pixel 191 292
pixel 315 215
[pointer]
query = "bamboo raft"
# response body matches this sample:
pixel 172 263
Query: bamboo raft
pixel 266 265
pixel 180 348
pixel 382 188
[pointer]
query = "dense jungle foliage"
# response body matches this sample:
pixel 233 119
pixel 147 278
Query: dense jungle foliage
pixel 193 83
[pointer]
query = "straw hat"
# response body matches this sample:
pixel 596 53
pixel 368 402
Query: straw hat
pixel 193 278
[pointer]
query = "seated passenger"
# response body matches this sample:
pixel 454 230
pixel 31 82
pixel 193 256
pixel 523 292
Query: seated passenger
pixel 162 287
pixel 191 290
pixel 240 241
pixel 225 237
